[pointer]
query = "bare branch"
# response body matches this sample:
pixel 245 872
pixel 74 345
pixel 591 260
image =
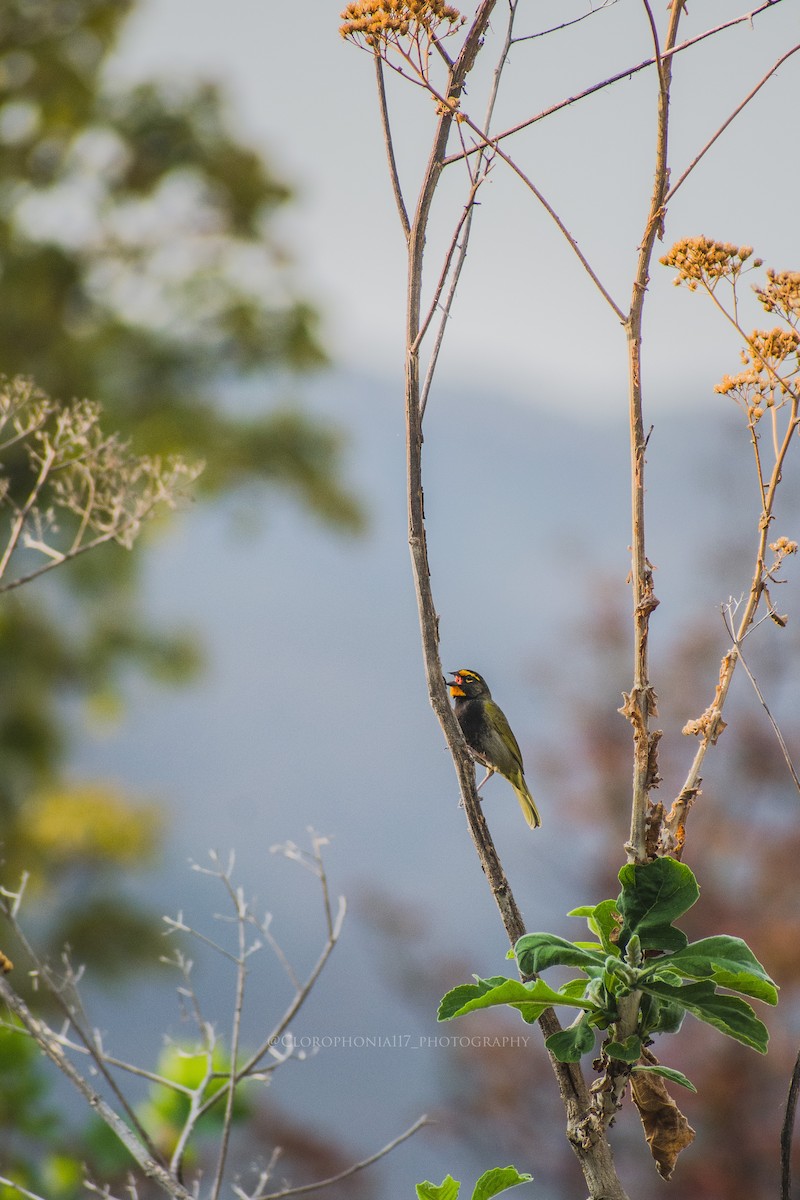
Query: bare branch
pixel 754 92
pixel 389 143
pixel 463 229
pixel 620 76
pixel 531 37
pixel 347 1174
pixel 73 1012
pixel 17 1187
pixel 51 1046
pixel 562 228
pixel 237 899
pixel 776 729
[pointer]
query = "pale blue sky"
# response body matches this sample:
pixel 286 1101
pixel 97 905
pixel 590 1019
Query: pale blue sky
pixel 527 318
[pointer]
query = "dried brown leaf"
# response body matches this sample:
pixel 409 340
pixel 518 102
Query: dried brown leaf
pixel 665 1127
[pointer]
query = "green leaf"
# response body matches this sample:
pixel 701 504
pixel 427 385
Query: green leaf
pixel 629 1051
pixel 603 920
pixel 537 951
pixel 530 999
pixel 660 1016
pixel 453 1002
pixel 568 1045
pixel 448 1189
pixel 729 962
pixel 499 1179
pixel 668 1073
pixel 654 895
pixel 729 1014
pixel 574 988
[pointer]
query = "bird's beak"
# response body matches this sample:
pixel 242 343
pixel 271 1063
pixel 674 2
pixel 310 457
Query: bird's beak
pixel 455 688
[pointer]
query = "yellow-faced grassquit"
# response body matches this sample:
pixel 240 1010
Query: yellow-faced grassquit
pixel 488 735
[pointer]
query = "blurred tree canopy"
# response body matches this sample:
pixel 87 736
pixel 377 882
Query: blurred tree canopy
pixel 138 268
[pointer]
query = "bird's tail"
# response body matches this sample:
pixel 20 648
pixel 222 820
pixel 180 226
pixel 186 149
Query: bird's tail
pixel 526 802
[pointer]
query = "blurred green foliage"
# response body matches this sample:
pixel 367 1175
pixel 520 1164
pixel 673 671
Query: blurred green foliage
pixel 44 1153
pixel 138 268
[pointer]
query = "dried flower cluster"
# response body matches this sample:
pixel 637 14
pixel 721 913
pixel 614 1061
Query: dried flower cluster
pixel 84 487
pixel 781 295
pixel 782 547
pixel 377 22
pixel 772 366
pixel 701 260
pixel 771 357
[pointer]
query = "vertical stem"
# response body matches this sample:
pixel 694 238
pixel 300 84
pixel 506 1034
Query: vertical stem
pixel 640 703
pixel 585 1132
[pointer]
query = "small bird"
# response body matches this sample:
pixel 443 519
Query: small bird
pixel 488 735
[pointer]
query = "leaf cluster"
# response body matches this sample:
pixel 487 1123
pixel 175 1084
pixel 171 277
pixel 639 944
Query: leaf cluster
pixel 491 1183
pixel 636 952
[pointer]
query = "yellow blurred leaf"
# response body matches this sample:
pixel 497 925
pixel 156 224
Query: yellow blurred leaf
pixel 92 821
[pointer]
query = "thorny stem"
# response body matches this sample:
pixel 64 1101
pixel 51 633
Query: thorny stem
pixel 640 704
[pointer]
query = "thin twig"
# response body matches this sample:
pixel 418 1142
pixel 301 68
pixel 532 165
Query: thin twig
pixel 464 219
pixel 530 37
pixel 663 83
pixel 491 144
pixel 44 973
pixel 731 118
pixel 22 513
pixel 466 227
pixel 551 212
pixel 389 143
pixel 477 176
pixel 23 1191
pixel 712 723
pixel 251 1063
pixel 237 899
pixel 49 1043
pixel 668 54
pixel 776 730
pixel 347 1174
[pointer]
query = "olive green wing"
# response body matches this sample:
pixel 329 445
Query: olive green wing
pixel 505 748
